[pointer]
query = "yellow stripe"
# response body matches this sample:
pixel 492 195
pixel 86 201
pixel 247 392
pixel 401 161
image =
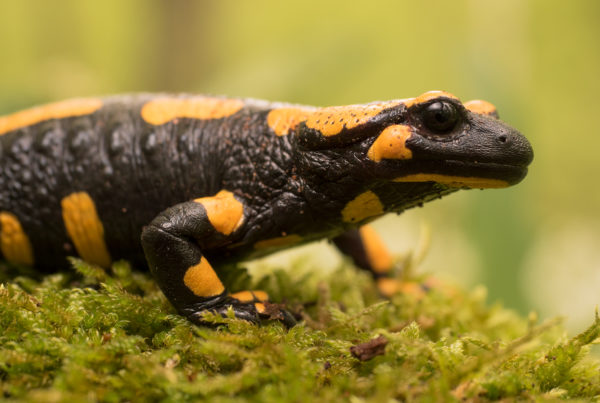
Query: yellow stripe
pixel 14 243
pixel 455 181
pixel 57 110
pixel 224 211
pixel 163 110
pixel 365 205
pixel 333 119
pixel 329 121
pixel 202 280
pixel 85 228
pixel 377 253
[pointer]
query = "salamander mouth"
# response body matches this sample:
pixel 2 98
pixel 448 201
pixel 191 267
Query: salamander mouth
pixel 466 174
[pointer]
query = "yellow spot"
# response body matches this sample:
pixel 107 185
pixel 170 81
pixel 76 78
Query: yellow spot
pixel 85 228
pixel 377 253
pixel 260 307
pixel 260 295
pixel 57 110
pixel 224 211
pixel 14 243
pixel 249 296
pixel 391 144
pixel 428 96
pixel 202 280
pixel 163 110
pixel 243 296
pixel 390 286
pixel 282 120
pixel 455 181
pixel 481 107
pixel 328 121
pixel 279 242
pixel 365 205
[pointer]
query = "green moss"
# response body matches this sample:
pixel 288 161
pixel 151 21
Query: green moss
pixel 92 335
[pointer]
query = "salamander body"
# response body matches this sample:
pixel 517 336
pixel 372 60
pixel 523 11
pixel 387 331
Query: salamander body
pixel 184 184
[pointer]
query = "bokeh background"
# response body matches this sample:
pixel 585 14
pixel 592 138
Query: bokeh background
pixel 534 246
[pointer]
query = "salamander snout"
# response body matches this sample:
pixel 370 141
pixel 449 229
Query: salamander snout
pixel 509 146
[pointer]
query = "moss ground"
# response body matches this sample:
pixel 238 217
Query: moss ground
pixel 89 335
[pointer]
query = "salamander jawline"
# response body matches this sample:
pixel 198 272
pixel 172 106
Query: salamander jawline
pixel 477 174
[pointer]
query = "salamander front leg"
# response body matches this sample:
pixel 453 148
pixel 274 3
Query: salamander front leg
pixel 172 245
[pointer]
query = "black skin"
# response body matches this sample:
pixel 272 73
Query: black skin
pixel 143 179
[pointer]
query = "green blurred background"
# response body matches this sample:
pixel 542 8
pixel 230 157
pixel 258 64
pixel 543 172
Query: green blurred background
pixel 535 246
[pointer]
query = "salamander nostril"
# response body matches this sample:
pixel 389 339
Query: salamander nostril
pixel 503 138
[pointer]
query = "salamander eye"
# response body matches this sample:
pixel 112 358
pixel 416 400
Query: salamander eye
pixel 440 117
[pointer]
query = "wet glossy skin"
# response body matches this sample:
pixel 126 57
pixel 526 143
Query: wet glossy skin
pixel 205 181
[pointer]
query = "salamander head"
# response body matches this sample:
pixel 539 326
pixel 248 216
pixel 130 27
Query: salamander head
pixel 433 138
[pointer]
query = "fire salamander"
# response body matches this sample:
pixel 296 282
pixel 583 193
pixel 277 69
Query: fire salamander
pixel 184 184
